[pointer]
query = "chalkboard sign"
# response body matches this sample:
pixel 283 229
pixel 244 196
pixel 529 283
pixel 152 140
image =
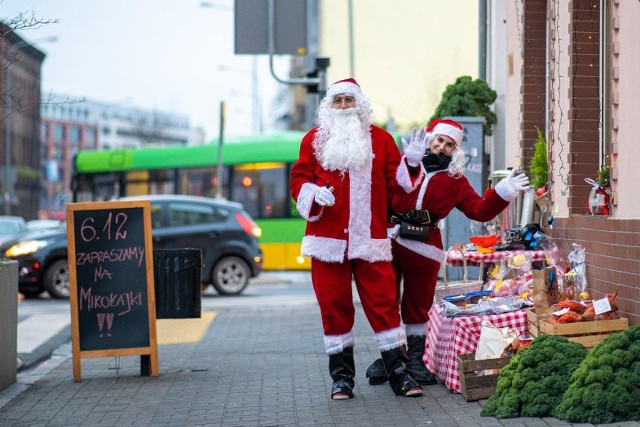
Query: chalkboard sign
pixel 111 280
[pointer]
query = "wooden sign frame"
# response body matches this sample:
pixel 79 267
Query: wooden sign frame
pixel 108 221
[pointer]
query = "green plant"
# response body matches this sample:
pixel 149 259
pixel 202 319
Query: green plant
pixel 604 388
pixel 604 173
pixel 539 168
pixel 533 382
pixel 470 98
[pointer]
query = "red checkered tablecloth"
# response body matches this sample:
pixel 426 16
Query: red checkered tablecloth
pixel 454 258
pixel 448 337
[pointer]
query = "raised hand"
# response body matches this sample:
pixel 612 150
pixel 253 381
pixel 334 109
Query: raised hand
pixel 417 146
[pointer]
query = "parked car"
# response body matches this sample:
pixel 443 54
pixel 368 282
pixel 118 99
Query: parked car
pixel 39 224
pixel 226 234
pixel 10 228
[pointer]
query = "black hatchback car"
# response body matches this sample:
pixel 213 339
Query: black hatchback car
pixel 226 234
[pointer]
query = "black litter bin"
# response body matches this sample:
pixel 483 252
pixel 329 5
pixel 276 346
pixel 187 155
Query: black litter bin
pixel 177 283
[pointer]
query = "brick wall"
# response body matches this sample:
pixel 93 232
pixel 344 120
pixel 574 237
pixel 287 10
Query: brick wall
pixel 533 77
pixel 612 255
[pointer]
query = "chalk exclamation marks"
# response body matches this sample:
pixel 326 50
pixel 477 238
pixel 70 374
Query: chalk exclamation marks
pixel 109 323
pixel 100 323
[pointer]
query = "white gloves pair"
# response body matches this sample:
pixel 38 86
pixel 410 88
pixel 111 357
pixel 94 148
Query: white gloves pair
pixel 324 196
pixel 511 185
pixel 417 146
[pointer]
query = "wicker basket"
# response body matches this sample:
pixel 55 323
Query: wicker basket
pixel 459 286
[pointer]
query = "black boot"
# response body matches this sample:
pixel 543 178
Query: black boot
pixel 415 352
pixel 398 368
pixel 376 373
pixel 343 371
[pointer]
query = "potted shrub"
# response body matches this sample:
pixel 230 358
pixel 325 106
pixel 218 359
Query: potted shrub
pixel 600 195
pixel 539 172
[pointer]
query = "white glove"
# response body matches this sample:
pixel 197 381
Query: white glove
pixel 511 185
pixel 417 146
pixel 324 196
pixel 519 183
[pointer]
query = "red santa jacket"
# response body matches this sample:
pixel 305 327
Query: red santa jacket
pixel 439 193
pixel 357 224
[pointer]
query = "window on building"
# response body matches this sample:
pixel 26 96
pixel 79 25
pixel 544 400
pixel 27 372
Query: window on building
pixel 90 137
pixel 74 135
pixel 605 86
pixel 58 132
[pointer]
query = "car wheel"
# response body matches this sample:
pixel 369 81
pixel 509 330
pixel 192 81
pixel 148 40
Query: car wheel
pixel 56 279
pixel 230 276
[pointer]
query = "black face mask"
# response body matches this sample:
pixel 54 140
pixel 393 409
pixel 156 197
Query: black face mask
pixel 435 162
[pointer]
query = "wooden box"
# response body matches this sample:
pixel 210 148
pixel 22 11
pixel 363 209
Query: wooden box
pixel 588 334
pixel 475 383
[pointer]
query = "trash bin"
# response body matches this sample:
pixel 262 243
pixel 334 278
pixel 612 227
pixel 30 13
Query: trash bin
pixel 177 276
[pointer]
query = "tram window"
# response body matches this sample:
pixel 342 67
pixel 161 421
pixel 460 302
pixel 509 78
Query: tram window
pixel 262 191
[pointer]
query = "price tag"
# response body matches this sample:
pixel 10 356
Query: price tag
pixel 601 306
pixel 560 312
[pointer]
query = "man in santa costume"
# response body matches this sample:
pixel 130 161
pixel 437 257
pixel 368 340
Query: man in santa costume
pixel 417 260
pixel 342 182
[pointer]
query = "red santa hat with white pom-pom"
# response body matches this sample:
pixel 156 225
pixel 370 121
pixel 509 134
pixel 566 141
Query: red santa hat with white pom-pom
pixel 446 127
pixel 347 86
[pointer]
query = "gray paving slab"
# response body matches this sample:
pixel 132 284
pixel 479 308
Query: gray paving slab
pixel 255 366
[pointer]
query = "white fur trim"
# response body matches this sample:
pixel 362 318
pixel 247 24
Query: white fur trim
pixel 343 87
pixel 391 338
pixel 506 190
pixel 323 248
pixel 373 250
pixel 305 201
pixel 417 329
pixel 424 249
pixel 404 178
pixel 448 130
pixel 423 188
pixel 334 344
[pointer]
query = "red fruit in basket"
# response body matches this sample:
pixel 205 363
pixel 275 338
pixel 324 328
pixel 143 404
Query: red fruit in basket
pixel 540 191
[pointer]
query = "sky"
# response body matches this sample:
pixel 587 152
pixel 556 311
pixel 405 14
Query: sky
pixel 168 55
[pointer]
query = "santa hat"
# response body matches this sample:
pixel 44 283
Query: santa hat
pixel 447 127
pixel 348 86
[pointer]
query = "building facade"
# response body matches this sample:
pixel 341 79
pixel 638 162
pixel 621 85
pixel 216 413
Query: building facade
pixel 71 124
pixel 571 71
pixel 20 72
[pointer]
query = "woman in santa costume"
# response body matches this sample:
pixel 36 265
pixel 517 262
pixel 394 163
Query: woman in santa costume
pixel 417 262
pixel 341 182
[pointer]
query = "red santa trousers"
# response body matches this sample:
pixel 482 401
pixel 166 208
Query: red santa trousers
pixel 419 276
pixel 376 287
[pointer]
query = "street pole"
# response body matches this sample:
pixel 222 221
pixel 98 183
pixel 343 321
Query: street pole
pixel 7 138
pixel 219 167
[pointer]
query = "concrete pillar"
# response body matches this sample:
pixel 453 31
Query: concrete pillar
pixel 9 322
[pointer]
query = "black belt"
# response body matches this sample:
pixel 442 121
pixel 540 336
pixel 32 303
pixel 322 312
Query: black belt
pixel 417 217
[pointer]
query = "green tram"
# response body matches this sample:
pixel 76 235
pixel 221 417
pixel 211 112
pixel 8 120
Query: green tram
pixel 256 174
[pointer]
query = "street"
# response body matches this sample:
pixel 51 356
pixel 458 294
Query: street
pixel 44 323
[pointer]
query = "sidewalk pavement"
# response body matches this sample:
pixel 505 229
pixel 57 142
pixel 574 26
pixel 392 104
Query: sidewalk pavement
pixel 254 366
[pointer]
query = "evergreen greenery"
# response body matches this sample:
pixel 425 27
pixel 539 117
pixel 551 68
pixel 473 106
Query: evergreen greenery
pixel 468 98
pixel 539 168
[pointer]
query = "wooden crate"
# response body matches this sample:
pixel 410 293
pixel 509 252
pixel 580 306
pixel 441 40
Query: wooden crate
pixel 475 384
pixel 588 334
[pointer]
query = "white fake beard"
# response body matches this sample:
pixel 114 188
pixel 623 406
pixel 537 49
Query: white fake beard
pixel 348 144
